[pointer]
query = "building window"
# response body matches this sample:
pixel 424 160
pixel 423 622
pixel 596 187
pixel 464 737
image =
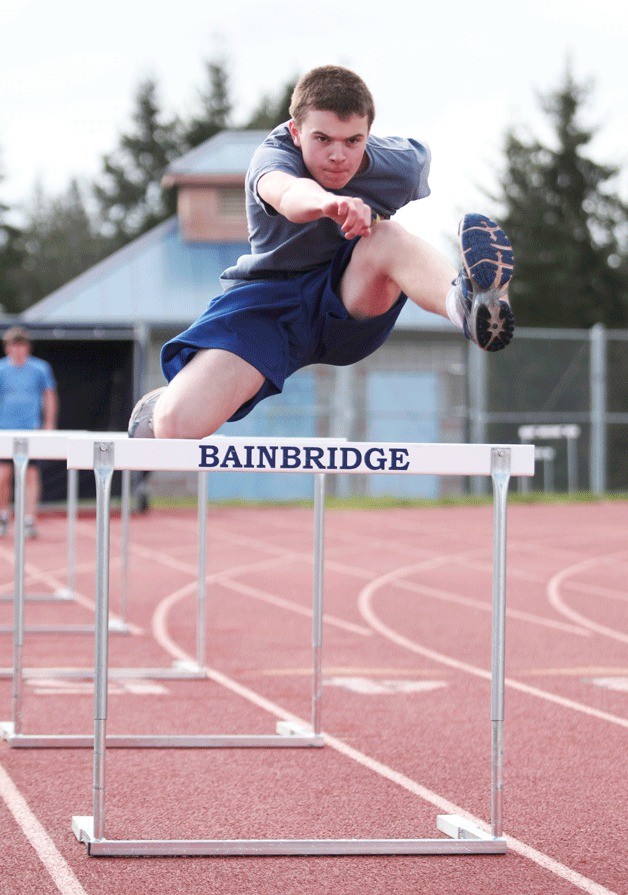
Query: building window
pixel 231 203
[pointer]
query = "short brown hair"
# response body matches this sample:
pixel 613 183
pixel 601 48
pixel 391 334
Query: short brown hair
pixel 331 88
pixel 16 334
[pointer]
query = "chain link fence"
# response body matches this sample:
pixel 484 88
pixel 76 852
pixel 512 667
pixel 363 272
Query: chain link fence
pixel 571 388
pixel 566 391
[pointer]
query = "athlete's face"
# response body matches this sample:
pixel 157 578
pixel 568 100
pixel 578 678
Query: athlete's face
pixel 18 352
pixel 333 148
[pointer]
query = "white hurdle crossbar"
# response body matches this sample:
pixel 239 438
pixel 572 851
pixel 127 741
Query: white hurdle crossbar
pixel 316 457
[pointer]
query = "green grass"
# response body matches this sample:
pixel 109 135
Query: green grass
pixel 386 503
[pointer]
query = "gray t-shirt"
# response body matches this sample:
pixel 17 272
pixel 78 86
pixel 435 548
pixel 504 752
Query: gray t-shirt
pixel 396 174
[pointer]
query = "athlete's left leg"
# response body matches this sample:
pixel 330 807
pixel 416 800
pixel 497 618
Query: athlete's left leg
pixel 391 260
pixel 388 262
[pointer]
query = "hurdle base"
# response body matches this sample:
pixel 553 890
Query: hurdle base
pixel 116 626
pixel 83 829
pixel 458 827
pixel 7 730
pixel 295 729
pixel 175 673
pixel 157 741
pixel 62 595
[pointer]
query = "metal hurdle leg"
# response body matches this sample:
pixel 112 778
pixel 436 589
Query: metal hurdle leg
pixel 464 837
pixel 20 462
pixel 66 594
pixel 72 513
pixel 201 585
pixel 500 465
pixel 63 593
pixel 317 615
pixel 124 534
pixel 452 824
pixel 292 728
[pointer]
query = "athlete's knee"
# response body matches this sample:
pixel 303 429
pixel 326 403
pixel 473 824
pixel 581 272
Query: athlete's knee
pixel 378 254
pixel 387 235
pixel 173 419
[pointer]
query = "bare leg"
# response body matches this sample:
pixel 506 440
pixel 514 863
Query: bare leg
pixel 205 394
pixel 391 261
pixel 6 471
pixel 33 491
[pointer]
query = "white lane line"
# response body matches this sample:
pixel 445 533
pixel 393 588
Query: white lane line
pixel 555 599
pixel 542 860
pixel 273 600
pixel 44 847
pixel 159 625
pixel 448 596
pixel 368 614
pixel 484 606
pixel 596 591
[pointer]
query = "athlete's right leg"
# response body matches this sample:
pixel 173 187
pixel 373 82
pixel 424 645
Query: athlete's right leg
pixel 204 395
pixel 6 471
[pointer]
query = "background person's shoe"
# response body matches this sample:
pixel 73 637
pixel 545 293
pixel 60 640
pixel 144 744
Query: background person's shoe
pixel 30 529
pixel 4 526
pixel 482 284
pixel 141 421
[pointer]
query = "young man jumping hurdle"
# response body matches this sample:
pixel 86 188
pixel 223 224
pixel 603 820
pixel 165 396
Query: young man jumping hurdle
pixel 328 272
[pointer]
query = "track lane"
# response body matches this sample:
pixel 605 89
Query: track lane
pixel 351 874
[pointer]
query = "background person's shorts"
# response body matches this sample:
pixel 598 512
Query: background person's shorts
pixel 282 325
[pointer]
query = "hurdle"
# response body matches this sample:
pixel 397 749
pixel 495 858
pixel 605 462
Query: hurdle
pixel 12 731
pixel 22 446
pixel 500 462
pixel 571 434
pixel 52 445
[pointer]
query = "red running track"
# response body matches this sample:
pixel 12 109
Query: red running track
pixel 406 702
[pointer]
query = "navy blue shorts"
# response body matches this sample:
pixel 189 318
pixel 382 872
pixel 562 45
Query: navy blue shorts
pixel 280 326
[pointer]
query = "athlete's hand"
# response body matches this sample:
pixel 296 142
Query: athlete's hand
pixel 353 216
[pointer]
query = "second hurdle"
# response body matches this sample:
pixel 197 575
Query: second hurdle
pixel 319 458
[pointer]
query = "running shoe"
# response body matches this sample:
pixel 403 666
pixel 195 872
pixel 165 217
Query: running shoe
pixel 482 284
pixel 30 529
pixel 141 421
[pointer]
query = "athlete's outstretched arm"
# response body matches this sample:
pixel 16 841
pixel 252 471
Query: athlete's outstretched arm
pixel 300 199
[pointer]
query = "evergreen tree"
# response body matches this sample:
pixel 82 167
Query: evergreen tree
pixel 215 110
pixel 565 222
pixel 129 195
pixel 59 242
pixel 11 257
pixel 272 111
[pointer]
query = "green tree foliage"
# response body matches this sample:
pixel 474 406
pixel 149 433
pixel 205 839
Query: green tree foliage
pixel 565 221
pixel 272 111
pixel 65 235
pixel 214 114
pixel 58 243
pixel 129 193
pixel 11 257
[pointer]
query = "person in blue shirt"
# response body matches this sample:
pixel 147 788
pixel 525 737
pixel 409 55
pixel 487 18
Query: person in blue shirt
pixel 328 271
pixel 28 400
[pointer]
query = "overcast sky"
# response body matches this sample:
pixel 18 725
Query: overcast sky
pixel 453 74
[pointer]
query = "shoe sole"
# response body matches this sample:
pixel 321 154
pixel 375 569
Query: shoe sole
pixel 489 263
pixel 141 420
